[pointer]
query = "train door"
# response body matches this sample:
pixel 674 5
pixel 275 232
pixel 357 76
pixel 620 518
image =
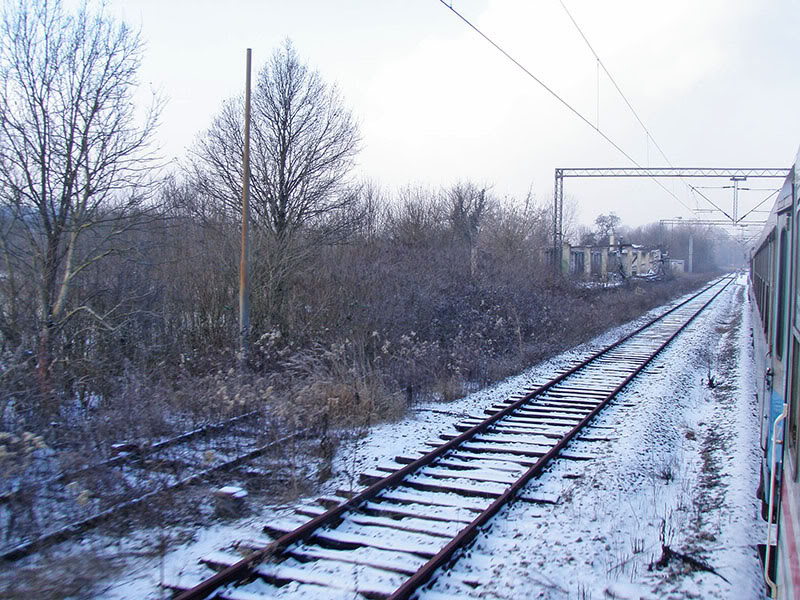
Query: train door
pixel 780 494
pixel 777 380
pixel 788 566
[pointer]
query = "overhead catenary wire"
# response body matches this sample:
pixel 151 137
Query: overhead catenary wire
pixel 730 187
pixel 649 136
pixel 602 65
pixel 697 191
pixel 572 109
pixel 566 104
pixel 757 206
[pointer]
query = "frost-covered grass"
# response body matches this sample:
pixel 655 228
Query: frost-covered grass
pixel 630 550
pixel 653 485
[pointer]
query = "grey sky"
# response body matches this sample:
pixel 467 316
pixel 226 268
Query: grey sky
pixel 716 82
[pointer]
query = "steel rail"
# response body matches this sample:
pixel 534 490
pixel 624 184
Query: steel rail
pixel 243 568
pixel 142 452
pixel 423 575
pixel 24 549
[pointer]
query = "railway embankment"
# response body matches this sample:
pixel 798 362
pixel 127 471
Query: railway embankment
pixel 668 476
pixel 668 507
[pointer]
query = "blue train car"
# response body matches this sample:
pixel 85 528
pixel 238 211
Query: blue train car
pixel 775 278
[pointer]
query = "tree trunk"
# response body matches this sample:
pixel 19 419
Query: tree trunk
pixel 43 367
pixel 473 261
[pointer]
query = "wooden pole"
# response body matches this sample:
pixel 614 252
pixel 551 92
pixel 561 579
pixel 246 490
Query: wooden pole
pixel 244 265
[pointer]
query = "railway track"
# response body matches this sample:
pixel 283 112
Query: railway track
pixel 389 540
pixel 128 480
pixel 131 453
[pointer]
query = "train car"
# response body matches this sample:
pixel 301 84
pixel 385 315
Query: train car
pixel 775 283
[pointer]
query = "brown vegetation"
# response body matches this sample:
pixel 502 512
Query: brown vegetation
pixel 118 299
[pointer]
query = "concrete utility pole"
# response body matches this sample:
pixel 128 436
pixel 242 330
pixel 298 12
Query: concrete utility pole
pixel 691 253
pixel 244 265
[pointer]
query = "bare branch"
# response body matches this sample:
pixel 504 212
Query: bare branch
pixel 74 157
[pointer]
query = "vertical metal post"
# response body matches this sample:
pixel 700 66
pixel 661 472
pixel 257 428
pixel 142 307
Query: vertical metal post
pixel 691 251
pixel 244 265
pixel 736 180
pixel 558 215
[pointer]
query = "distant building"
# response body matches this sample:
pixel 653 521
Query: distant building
pixel 676 265
pixel 596 262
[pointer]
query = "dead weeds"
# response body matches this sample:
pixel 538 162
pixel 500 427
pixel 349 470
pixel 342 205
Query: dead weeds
pixel 75 576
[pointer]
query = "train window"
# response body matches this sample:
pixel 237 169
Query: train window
pixel 796 283
pixel 780 316
pixel 794 402
pixel 767 271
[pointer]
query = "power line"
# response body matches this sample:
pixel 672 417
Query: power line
pixel 539 81
pixel 697 190
pixel 760 203
pixel 730 187
pixel 561 100
pixel 644 127
pixel 648 136
pixel 613 81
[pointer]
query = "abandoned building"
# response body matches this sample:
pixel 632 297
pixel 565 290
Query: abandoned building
pixel 597 262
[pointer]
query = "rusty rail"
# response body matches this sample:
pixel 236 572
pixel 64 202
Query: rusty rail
pixel 243 568
pixel 141 453
pixel 423 575
pixel 26 548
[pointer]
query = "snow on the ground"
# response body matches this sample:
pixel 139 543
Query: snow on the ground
pixel 680 468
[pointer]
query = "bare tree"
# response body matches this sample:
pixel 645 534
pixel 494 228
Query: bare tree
pixel 606 227
pixel 303 142
pixel 368 213
pixel 515 228
pixel 303 145
pixel 416 217
pixel 74 157
pixel 468 207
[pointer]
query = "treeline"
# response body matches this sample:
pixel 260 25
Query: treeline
pixel 409 292
pixel 428 292
pixel 119 285
pixel 711 247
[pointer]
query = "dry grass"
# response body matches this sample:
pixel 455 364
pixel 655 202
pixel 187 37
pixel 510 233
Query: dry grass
pixel 74 576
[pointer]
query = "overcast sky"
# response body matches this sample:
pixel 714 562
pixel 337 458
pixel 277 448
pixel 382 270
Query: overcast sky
pixel 717 83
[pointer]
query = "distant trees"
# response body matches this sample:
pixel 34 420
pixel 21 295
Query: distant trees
pixel 605 226
pixel 302 149
pixel 703 241
pixel 73 159
pixel 468 206
pixel 712 246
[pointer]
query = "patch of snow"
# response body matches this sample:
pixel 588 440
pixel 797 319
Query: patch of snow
pixel 674 463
